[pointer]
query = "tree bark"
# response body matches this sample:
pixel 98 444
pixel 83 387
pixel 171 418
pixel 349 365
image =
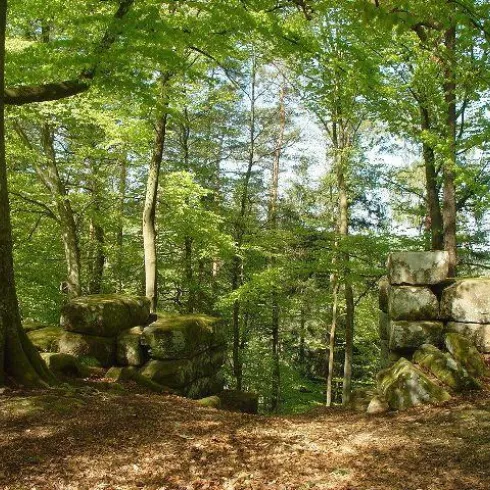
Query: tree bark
pixel 149 209
pixel 50 177
pixel 19 360
pixel 449 167
pixel 120 225
pixel 331 338
pixel 434 205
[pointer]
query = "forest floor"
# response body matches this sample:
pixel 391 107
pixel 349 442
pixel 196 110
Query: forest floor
pixel 90 438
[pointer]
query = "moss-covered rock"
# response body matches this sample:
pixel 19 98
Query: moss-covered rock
pixel 46 339
pixel 465 352
pixel 360 398
pixel 377 405
pixel 182 336
pixel 418 268
pixel 104 315
pixel 477 333
pixel 467 300
pixel 210 402
pixel 445 368
pixel 121 374
pixel 30 324
pixel 239 401
pixel 412 303
pixel 129 351
pixel 411 335
pixel 64 364
pixel 102 349
pixel 403 386
pixel 176 374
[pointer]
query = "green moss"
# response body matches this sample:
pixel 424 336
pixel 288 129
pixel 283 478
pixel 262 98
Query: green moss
pixel 445 368
pixel 466 353
pixel 46 339
pixel 210 401
pixel 404 386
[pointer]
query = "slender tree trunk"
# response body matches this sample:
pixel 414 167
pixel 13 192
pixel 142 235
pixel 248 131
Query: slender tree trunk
pixel 189 275
pixel 302 338
pixel 449 167
pixel 331 338
pixel 240 229
pixel 149 209
pixel 19 360
pixel 50 176
pixel 435 213
pixel 120 225
pixel 276 367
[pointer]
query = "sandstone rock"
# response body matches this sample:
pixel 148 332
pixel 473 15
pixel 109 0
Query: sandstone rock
pixel 465 352
pixel 180 337
pixel 210 401
pixel 467 300
pixel 104 315
pixel 404 386
pixel 383 286
pixel 119 374
pixel 102 349
pixel 64 364
pixel 411 335
pixel 46 339
pixel 478 333
pixel 384 326
pixel 445 368
pixel 239 401
pixel 129 351
pixel 202 387
pixel 412 303
pixel 176 374
pixel 360 398
pixel 418 268
pixel 30 324
pixel 377 405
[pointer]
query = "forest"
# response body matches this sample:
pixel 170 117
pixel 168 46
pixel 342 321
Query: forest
pixel 250 168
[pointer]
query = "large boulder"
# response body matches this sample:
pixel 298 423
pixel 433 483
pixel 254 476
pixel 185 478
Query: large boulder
pixel 239 401
pixel 129 351
pixel 445 368
pixel 46 338
pixel 30 324
pixel 465 352
pixel 478 333
pixel 377 405
pixel 104 315
pixel 412 303
pixel 102 349
pixel 175 374
pixel 360 399
pixel 64 364
pixel 404 385
pixel 182 336
pixel 120 374
pixel 467 300
pixel 418 268
pixel 411 335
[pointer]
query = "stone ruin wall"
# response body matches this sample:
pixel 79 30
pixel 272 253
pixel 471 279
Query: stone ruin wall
pixel 419 304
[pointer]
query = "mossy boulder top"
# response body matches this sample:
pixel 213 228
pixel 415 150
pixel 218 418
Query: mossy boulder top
pixel 467 300
pixel 466 353
pixel 104 315
pixel 46 339
pixel 183 336
pixel 404 385
pixel 418 268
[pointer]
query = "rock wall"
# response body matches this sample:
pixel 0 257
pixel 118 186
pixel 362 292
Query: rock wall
pixel 184 353
pixel 419 304
pixel 433 332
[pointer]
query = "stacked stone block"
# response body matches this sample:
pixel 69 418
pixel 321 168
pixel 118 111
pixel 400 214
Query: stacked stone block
pixel 184 353
pixel 419 304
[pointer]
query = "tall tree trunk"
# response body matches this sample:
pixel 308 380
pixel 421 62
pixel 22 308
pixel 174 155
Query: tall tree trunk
pixel 449 167
pixel 276 367
pixel 149 208
pixel 434 205
pixel 120 224
pixel 331 338
pixel 50 176
pixel 240 229
pixel 189 275
pixel 19 360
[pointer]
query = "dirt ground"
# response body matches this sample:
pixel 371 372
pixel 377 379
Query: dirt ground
pixel 93 439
